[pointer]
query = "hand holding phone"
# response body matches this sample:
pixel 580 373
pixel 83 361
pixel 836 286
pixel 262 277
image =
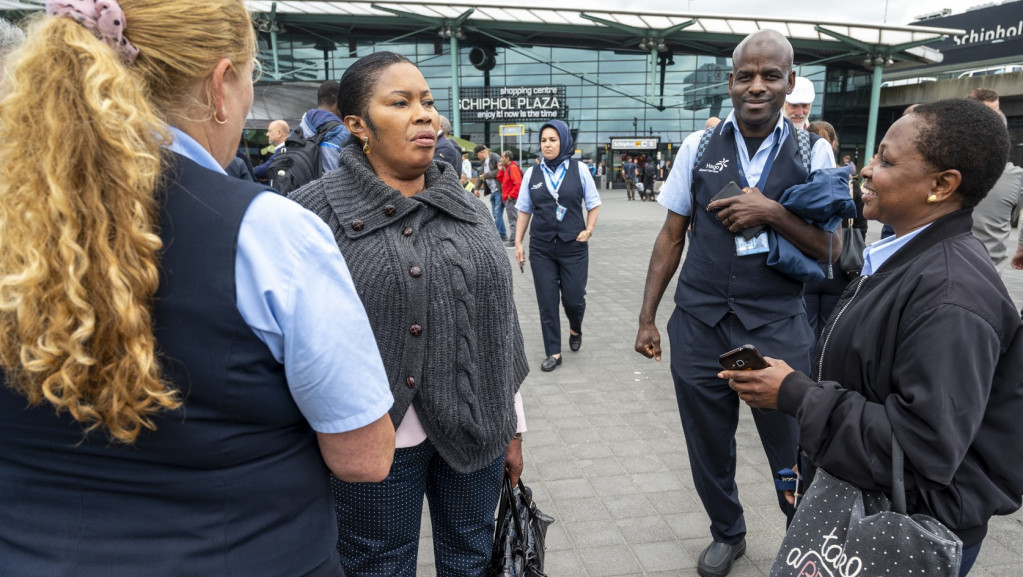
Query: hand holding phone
pixel 731 189
pixel 744 358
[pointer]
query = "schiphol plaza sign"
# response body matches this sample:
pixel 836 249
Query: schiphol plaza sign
pixel 511 103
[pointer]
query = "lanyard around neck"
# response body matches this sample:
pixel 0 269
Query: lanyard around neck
pixel 555 179
pixel 771 155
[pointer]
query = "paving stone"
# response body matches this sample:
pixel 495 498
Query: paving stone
pixel 614 486
pixel 579 511
pixel 650 529
pixel 610 561
pixel 665 556
pixel 593 533
pixel 593 468
pixel 657 482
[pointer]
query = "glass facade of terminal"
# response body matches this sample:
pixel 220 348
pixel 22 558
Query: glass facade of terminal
pixel 607 94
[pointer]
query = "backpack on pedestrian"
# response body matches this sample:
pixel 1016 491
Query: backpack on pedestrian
pixel 298 162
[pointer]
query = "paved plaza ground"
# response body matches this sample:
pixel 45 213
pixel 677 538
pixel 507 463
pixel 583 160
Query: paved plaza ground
pixel 605 455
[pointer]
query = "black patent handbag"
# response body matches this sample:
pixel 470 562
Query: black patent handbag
pixel 520 536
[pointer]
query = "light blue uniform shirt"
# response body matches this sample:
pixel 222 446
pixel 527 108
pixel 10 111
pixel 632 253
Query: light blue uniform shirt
pixel 591 198
pixel 294 290
pixel 675 194
pixel 878 252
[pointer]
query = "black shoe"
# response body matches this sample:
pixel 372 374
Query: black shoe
pixel 575 341
pixel 549 363
pixel 716 560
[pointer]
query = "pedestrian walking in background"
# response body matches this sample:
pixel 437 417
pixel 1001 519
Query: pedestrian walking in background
pixel 552 197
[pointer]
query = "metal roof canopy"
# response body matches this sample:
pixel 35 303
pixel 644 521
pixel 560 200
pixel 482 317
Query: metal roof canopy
pixel 712 34
pixel 854 44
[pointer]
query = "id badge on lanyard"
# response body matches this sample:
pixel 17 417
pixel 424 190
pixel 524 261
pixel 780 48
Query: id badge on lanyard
pixel 559 213
pixel 755 245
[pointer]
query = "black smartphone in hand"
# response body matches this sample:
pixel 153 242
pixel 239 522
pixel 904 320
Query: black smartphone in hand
pixel 744 358
pixel 731 189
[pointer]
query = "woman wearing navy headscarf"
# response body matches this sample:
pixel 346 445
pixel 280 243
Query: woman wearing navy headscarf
pixel 552 196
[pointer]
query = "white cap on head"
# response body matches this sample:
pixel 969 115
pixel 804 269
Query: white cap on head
pixel 802 92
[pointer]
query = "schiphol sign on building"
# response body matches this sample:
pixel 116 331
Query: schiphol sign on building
pixel 511 103
pixel 991 32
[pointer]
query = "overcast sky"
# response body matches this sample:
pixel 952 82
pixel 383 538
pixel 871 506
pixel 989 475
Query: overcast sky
pixel 899 12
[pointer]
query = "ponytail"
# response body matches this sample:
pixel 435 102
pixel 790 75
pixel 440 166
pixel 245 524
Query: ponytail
pixel 80 143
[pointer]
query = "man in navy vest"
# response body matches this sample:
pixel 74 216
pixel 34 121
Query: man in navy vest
pixel 727 296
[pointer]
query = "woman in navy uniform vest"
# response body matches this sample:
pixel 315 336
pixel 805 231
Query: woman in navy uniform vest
pixel 148 422
pixel 552 198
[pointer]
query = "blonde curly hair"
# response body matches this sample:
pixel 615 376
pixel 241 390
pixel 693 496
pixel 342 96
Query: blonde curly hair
pixel 80 139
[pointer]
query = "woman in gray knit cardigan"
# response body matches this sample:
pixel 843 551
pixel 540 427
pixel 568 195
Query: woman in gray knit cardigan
pixel 437 286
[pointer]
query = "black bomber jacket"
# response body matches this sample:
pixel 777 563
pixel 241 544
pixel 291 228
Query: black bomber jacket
pixel 929 347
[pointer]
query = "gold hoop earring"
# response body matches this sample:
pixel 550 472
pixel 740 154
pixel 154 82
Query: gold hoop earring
pixel 932 199
pixel 365 145
pixel 219 121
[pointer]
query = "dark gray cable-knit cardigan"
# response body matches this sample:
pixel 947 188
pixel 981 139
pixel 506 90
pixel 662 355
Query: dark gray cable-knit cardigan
pixel 437 286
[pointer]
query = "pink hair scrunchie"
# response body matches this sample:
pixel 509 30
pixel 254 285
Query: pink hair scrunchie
pixel 104 18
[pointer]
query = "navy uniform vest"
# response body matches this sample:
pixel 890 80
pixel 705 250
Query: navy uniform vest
pixel 544 225
pixel 714 280
pixel 231 484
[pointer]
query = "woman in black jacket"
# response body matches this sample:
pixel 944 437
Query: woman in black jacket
pixel 927 344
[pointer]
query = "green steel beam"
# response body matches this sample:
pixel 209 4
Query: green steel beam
pixel 456 114
pixel 846 39
pixel 273 41
pixel 640 32
pixel 833 58
pixel 669 31
pixel 404 36
pixel 908 45
pixel 653 73
pixel 875 101
pixel 462 17
pixel 410 15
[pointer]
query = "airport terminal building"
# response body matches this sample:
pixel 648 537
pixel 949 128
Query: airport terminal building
pixel 625 82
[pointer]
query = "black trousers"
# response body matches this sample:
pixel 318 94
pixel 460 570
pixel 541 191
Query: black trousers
pixel 559 270
pixel 709 409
